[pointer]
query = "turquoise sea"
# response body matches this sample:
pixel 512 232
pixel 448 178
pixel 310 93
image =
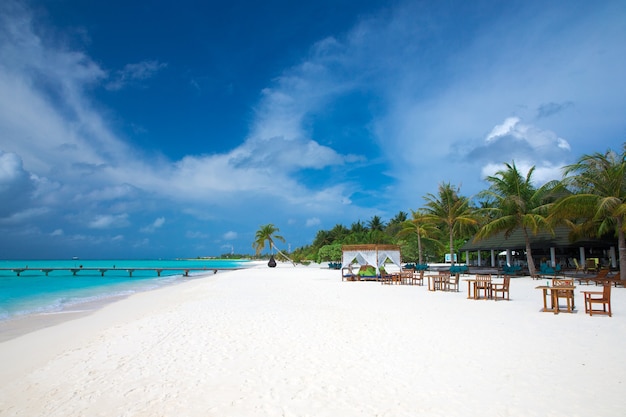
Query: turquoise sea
pixel 35 292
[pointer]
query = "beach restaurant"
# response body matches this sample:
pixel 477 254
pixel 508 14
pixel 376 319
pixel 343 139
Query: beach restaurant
pixel 556 248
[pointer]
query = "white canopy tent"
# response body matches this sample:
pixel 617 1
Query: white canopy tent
pixel 374 255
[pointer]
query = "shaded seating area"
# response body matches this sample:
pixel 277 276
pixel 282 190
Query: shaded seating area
pixel 372 257
pixel 602 298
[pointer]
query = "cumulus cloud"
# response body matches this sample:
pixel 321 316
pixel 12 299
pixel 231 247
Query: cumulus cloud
pixel 432 106
pixel 526 145
pixel 109 221
pixel 156 224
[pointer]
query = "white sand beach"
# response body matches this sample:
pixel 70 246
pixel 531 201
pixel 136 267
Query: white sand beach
pixel 300 342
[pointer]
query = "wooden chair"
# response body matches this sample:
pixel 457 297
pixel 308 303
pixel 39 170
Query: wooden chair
pixel 406 276
pixel 348 275
pixel 601 277
pixel 418 277
pixel 568 296
pixel 591 264
pixel 482 283
pixel 598 297
pixel 442 281
pixel 618 281
pixel 453 282
pixel 501 288
pixel 579 267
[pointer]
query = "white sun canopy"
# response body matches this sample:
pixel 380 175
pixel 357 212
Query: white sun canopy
pixel 374 255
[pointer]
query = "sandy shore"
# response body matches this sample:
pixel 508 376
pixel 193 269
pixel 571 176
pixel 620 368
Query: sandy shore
pixel 300 342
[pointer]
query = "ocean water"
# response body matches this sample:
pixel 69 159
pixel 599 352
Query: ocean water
pixel 34 293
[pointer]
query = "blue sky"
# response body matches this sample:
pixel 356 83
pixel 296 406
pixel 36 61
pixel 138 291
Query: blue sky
pixel 167 129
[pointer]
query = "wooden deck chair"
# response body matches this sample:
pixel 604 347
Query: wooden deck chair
pixel 501 288
pixel 591 265
pixel 598 297
pixel 568 296
pixel 601 277
pixel 579 267
pixel 618 281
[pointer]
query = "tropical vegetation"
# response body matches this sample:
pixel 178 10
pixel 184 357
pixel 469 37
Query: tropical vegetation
pixel 590 199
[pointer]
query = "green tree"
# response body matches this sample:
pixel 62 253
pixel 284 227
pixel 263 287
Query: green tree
pixel 396 223
pixel 330 253
pixel 338 233
pixel 358 227
pixel 268 233
pixel 516 204
pixel 376 223
pixel 598 203
pixel 420 226
pixel 450 210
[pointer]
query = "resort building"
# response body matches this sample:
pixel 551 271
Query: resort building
pixel 553 248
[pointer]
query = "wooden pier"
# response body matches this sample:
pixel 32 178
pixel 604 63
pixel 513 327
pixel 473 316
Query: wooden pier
pixel 184 270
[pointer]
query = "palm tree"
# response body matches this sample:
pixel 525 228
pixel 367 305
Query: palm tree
pixel 450 210
pixel 267 233
pixel 396 223
pixel 515 203
pixel 421 227
pixel 376 223
pixel 598 202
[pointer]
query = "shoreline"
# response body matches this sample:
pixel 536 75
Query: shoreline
pixel 299 341
pixel 22 324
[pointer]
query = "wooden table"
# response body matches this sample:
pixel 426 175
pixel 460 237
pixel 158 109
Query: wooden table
pixel 471 285
pixel 471 289
pixel 554 308
pixel 437 282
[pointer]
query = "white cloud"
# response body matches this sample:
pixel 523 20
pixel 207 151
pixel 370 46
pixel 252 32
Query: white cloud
pixel 57 232
pixel 196 235
pixel 443 108
pixel 230 235
pixel 133 73
pixel 314 221
pixel 156 224
pixel 109 221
